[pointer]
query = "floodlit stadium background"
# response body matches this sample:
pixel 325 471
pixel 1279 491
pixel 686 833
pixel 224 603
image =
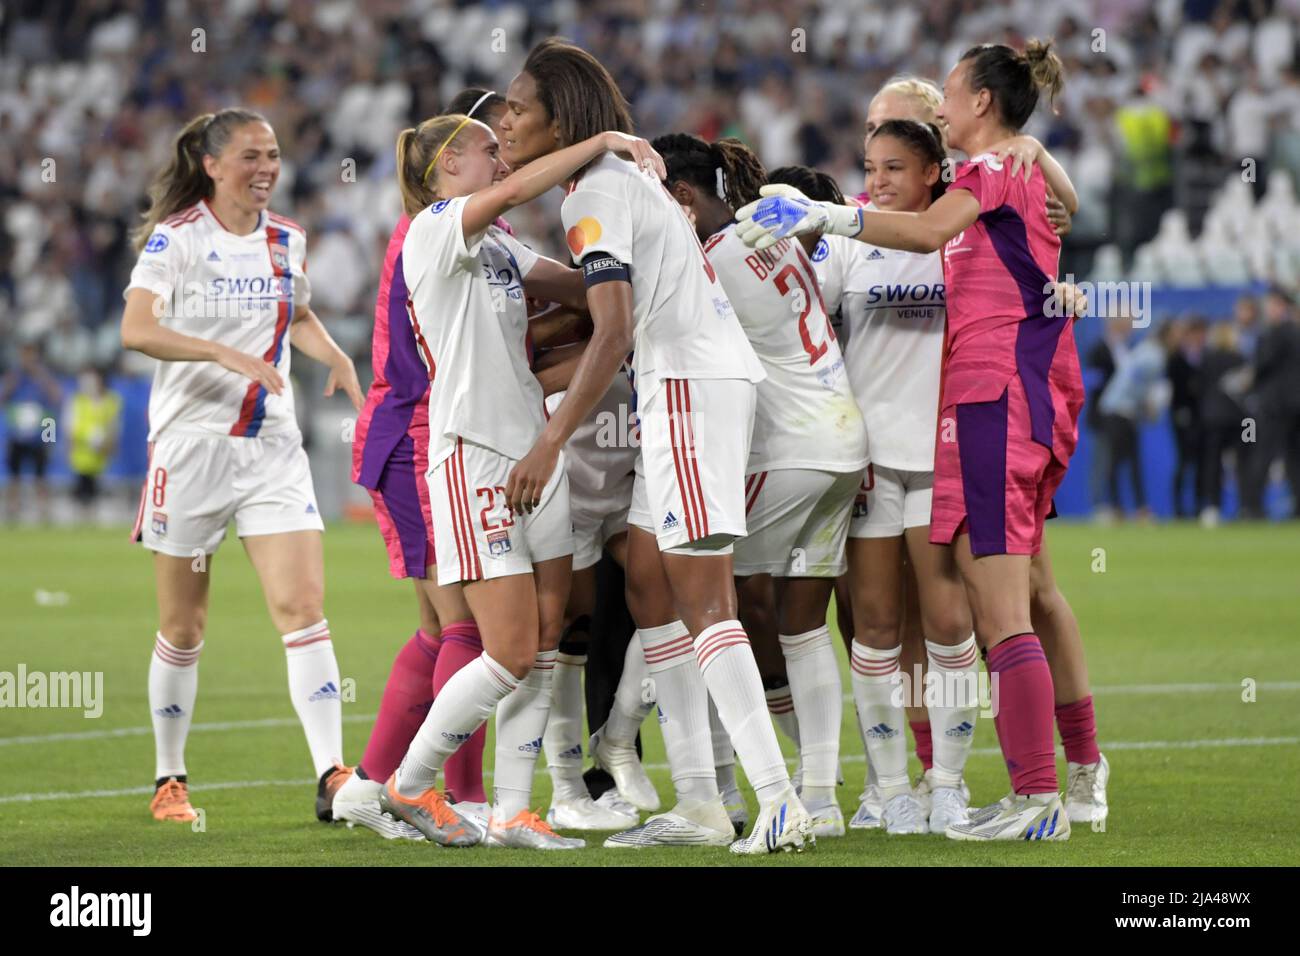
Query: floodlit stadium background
pixel 1179 125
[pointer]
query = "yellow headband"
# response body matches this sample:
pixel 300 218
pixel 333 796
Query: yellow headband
pixel 428 169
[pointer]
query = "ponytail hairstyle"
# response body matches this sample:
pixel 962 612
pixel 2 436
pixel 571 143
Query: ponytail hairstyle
pixel 923 140
pixel 1014 79
pixel 813 183
pixel 727 169
pixel 184 181
pixel 576 91
pixel 476 103
pixel 418 150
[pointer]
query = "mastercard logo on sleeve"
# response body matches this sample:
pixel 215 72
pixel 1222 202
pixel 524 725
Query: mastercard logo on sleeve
pixel 584 233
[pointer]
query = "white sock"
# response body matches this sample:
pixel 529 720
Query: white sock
pixel 461 707
pixel 563 737
pixel 780 704
pixel 727 663
pixel 521 722
pixel 724 755
pixel 874 685
pixel 952 724
pixel 314 689
pixel 815 687
pixel 683 709
pixel 173 685
pixel 869 780
pixel 630 704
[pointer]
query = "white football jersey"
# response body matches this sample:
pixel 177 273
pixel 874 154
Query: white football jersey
pixel 806 415
pixel 684 326
pixel 603 449
pixel 240 291
pixel 467 308
pixel 894 309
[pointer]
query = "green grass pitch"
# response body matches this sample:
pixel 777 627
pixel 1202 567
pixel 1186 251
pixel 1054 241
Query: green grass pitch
pixel 1176 622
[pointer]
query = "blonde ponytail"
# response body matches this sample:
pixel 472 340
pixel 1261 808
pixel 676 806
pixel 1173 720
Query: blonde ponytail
pixel 418 149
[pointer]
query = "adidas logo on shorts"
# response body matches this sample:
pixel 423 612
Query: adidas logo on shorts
pixel 670 522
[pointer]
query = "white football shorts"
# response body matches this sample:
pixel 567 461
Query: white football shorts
pixel 891 500
pixel 197 483
pixel 690 476
pixel 798 521
pixel 475 535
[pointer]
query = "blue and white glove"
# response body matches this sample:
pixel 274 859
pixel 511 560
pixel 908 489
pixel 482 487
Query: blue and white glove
pixel 785 211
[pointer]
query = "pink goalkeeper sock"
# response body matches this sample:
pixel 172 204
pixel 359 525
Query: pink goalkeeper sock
pixel 924 742
pixel 1024 716
pixel 1078 726
pixel 462 774
pixel 407 696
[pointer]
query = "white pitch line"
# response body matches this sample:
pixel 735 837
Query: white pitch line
pixel 277 722
pixel 847 758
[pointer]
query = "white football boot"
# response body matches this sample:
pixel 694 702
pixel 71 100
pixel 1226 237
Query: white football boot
pixel 870 809
pixel 687 824
pixel 827 821
pixel 782 824
pixel 905 814
pixel 624 766
pixel 356 803
pixel 474 813
pixel 585 814
pixel 948 805
pixel 1037 817
pixel 1085 791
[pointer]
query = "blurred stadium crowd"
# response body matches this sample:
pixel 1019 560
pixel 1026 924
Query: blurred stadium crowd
pixel 1165 103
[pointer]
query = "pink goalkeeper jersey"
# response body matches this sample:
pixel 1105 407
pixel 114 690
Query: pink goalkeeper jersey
pixel 999 275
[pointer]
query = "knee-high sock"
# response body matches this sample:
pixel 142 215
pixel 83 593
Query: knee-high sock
pixel 314 689
pixel 731 675
pixel 407 696
pixel 1078 726
pixel 724 755
pixel 1024 715
pixel 876 689
pixel 173 685
pixel 780 704
pixel 463 773
pixel 953 714
pixel 521 722
pixel 683 709
pixel 563 738
pixel 816 691
pixel 633 698
pixel 461 707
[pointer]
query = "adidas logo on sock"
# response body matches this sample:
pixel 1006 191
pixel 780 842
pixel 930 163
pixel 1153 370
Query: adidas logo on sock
pixel 171 710
pixel 670 521
pixel 458 738
pixel 573 753
pixel 532 747
pixel 881 731
pixel 325 693
pixel 964 729
pixel 662 718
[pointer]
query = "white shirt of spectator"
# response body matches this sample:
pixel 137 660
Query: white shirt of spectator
pixel 806 415
pixel 893 306
pixel 240 291
pixel 467 308
pixel 684 325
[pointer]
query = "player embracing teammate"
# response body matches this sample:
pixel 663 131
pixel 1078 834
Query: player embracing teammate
pixel 651 289
pixel 1010 396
